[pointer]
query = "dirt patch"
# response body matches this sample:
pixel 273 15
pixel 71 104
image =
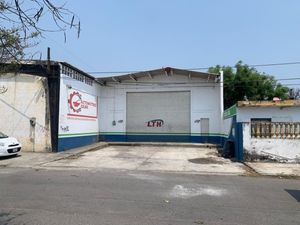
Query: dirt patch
pixel 209 160
pixel 146 163
pixel 254 157
pixel 250 172
pixel 125 155
pixel 76 156
pixel 213 154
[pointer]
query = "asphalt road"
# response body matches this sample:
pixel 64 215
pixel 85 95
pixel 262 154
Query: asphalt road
pixel 44 197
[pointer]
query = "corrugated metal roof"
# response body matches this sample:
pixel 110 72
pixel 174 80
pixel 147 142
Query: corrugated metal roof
pixel 285 103
pixel 38 67
pixel 150 73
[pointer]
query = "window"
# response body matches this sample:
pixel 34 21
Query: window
pixel 261 127
pixel 76 75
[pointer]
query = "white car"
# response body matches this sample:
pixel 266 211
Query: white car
pixel 9 145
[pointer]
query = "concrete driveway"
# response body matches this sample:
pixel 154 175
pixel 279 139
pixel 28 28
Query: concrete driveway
pixel 188 159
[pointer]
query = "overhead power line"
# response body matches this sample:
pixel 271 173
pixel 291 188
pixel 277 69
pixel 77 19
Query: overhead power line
pixel 201 68
pixel 183 82
pixel 134 85
pixel 185 86
pixel 201 82
pixel 276 64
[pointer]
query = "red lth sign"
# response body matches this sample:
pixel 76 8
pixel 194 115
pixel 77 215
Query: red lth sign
pixel 155 123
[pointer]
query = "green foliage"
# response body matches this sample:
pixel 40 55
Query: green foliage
pixel 11 45
pixel 246 82
pixel 22 23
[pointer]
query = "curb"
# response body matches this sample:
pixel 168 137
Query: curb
pixel 77 151
pixel 251 170
pixel 265 174
pixel 168 144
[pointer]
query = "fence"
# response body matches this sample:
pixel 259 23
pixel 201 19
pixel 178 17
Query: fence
pixel 275 130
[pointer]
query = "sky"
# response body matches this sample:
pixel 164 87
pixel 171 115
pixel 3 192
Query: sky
pixel 136 35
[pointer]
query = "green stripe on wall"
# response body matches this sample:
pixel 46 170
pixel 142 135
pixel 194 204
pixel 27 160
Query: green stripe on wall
pixel 162 133
pixel 138 133
pixel 78 134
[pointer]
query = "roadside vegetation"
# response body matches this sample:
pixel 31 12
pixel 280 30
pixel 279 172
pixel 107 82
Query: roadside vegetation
pixel 246 83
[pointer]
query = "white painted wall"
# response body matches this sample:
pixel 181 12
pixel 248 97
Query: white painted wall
pixel 277 114
pixel 21 98
pixel 286 148
pixel 78 124
pixel 205 101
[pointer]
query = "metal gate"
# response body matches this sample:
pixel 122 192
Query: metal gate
pixel 163 114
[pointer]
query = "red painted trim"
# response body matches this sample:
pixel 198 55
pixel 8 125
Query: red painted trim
pixel 97 105
pixel 82 116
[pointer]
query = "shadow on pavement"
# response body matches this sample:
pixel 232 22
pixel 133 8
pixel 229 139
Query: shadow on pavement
pixel 8 218
pixel 294 193
pixel 9 157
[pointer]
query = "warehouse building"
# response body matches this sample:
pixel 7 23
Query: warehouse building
pixel 166 104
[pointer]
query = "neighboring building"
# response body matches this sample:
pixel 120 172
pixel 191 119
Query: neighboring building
pixel 166 104
pixel 24 107
pixel 272 111
pixel 35 105
pixel 266 129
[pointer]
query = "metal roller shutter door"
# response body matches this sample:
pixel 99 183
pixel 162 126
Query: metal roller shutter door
pixel 165 113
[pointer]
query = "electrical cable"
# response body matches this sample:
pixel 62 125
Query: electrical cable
pixel 204 83
pixel 200 68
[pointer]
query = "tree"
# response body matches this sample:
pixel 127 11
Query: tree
pixel 244 82
pixel 23 22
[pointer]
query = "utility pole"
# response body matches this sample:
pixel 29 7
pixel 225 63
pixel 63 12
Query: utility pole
pixel 48 61
pixel 48 113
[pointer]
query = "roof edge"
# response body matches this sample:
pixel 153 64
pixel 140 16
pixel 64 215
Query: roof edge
pixel 283 103
pixel 166 70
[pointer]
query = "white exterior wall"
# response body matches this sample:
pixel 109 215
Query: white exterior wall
pixel 277 114
pixel 86 121
pixel 205 101
pixel 277 148
pixel 21 98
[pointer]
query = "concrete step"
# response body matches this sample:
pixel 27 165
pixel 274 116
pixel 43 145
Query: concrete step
pixel 175 144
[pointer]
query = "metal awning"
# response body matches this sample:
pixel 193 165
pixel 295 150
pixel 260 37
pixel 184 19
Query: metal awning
pixel 168 71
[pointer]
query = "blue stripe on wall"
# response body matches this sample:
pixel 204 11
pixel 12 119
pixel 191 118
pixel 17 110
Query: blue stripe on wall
pixel 75 142
pixel 67 143
pixel 219 140
pixel 163 138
